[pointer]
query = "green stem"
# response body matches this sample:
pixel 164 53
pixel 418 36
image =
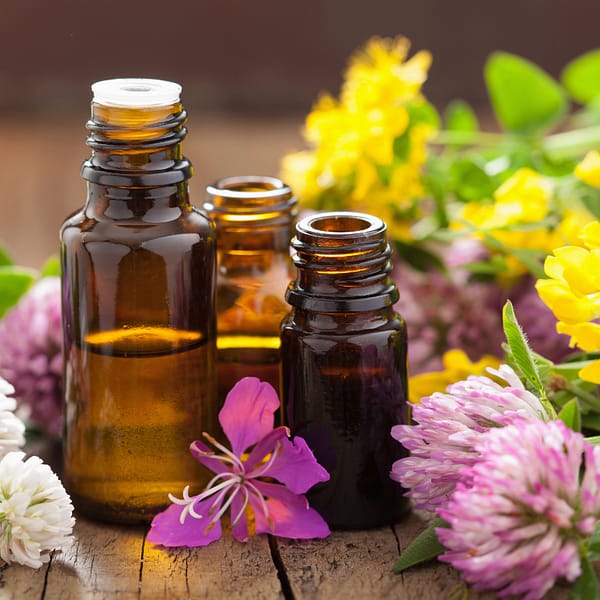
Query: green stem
pixel 482 138
pixel 591 401
pixel 564 145
pixel 561 145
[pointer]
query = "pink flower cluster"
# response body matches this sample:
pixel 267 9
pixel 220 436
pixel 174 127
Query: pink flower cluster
pixel 520 494
pixel 452 310
pixel 31 354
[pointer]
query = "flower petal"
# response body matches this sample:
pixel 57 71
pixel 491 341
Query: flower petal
pixel 289 514
pixel 247 415
pixel 205 456
pixel 239 529
pixel 167 530
pixel 295 466
pixel 265 447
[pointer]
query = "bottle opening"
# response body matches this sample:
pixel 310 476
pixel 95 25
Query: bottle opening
pixel 136 93
pixel 248 186
pixel 340 224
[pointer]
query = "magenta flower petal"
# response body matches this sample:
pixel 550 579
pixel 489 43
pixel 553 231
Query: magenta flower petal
pixel 265 447
pixel 289 516
pixel 247 420
pixel 204 455
pixel 167 529
pixel 239 529
pixel 296 466
pixel 247 415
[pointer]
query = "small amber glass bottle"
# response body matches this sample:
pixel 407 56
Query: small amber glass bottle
pixel 344 366
pixel 138 276
pixel 254 218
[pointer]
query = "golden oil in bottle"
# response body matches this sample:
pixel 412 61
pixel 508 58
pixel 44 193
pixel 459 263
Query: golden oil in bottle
pixel 254 218
pixel 138 274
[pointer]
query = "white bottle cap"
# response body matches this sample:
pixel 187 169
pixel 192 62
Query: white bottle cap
pixel 136 93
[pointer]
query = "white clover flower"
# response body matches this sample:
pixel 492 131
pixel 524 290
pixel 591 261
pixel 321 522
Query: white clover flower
pixel 11 427
pixel 36 514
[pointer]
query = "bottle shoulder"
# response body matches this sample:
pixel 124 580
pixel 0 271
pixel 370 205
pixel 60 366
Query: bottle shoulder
pixel 324 325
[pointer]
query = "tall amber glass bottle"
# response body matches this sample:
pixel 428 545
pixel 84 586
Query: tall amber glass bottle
pixel 344 366
pixel 254 218
pixel 138 268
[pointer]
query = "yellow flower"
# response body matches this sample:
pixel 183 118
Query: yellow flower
pixel 588 170
pixel 379 77
pixel 369 146
pixel 572 292
pixel 457 367
pixel 520 204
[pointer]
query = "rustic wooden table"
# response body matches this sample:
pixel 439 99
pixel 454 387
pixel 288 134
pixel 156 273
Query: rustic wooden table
pixel 110 561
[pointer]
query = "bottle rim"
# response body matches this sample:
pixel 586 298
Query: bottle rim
pixel 136 92
pixel 228 187
pixel 340 224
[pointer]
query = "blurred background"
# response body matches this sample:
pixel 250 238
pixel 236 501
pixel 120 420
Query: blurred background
pixel 250 72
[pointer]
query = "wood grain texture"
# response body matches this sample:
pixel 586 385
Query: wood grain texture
pixel 102 562
pixel 225 569
pixel 18 582
pixel 349 565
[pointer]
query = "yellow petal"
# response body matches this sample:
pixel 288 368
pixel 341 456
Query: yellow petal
pixel 588 170
pixel 591 372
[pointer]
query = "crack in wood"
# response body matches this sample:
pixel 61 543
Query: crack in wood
pixel 43 594
pixel 142 563
pixel 286 587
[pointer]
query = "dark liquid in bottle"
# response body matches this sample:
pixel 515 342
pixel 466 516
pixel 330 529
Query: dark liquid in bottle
pixel 344 395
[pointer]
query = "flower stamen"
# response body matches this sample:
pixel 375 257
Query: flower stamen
pixel 263 469
pixel 228 453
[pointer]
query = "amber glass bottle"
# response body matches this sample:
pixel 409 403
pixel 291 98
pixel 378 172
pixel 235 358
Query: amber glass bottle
pixel 344 366
pixel 254 218
pixel 138 267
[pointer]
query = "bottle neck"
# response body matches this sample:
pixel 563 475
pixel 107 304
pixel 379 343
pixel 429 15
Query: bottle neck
pixel 151 205
pixel 251 214
pixel 343 264
pixel 136 147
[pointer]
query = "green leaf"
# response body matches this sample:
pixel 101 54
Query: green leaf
pixel 523 356
pixel 418 257
pixel 570 415
pixel 51 267
pixel 590 197
pixel 5 259
pixel 525 98
pixel 424 112
pixel 586 587
pixel 581 77
pixel 424 547
pixel 459 116
pixel 591 421
pixel 14 282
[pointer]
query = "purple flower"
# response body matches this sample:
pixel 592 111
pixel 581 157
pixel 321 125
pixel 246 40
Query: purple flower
pixel 450 425
pixel 267 479
pixel 30 353
pixel 447 311
pixel 530 500
pixel 538 321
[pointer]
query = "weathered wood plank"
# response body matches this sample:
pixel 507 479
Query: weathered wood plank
pixel 18 582
pixel 102 562
pixel 225 569
pixel 349 565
